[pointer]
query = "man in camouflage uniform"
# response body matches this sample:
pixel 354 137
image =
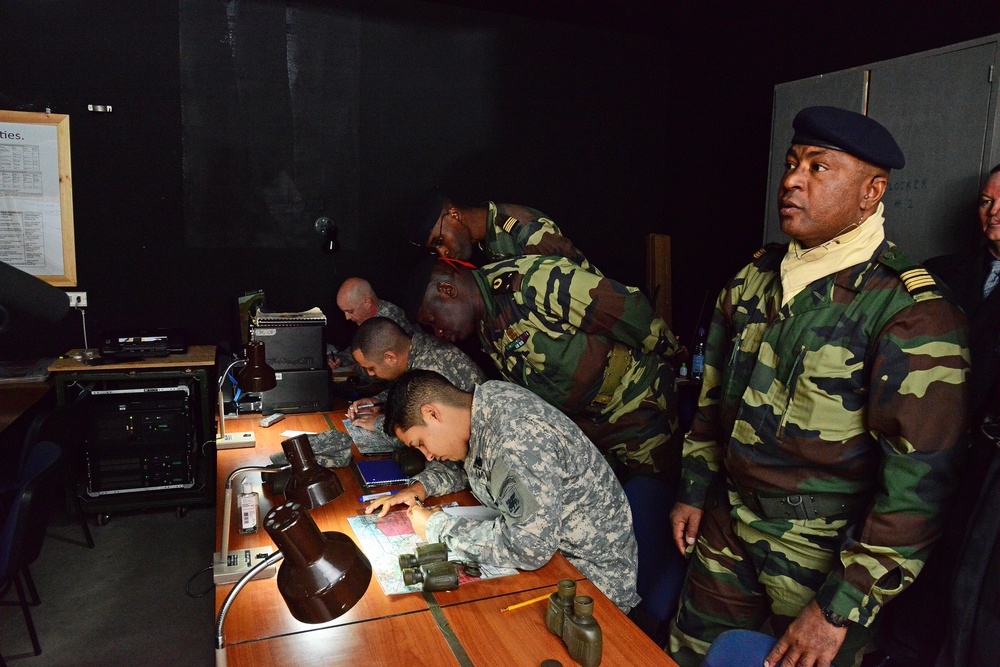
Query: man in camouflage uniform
pixel 524 458
pixel 824 447
pixel 588 345
pixel 501 231
pixel 360 303
pixel 385 351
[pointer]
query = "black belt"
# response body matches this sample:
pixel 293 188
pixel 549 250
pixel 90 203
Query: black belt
pixel 805 505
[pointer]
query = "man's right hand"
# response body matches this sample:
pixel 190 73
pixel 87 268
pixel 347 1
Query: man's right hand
pixel 685 519
pixel 333 362
pixel 412 495
pixel 364 406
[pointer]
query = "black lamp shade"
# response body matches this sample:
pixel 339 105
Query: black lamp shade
pixel 256 376
pixel 323 574
pixel 310 483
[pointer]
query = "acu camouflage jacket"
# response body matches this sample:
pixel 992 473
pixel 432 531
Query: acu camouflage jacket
pixel 856 386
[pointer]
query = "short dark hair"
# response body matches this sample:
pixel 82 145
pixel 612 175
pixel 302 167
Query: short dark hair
pixel 378 335
pixel 414 389
pixel 994 169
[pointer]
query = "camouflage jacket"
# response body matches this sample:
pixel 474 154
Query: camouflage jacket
pixel 549 326
pixel 394 313
pixel 856 386
pixel 516 231
pixel 427 353
pixel 553 490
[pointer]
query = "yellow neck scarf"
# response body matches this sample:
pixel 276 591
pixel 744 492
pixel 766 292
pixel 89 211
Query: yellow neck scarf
pixel 802 266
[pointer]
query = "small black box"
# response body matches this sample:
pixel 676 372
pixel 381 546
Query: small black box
pixel 298 391
pixel 297 346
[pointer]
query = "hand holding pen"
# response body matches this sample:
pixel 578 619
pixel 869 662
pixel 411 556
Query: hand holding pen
pixel 412 495
pixel 364 406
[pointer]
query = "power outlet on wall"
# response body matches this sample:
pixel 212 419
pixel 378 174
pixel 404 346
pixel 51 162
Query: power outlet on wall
pixel 77 299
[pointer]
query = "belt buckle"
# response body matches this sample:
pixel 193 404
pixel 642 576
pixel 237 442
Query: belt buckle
pixel 801 505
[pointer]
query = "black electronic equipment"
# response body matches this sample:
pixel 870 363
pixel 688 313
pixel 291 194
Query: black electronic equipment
pixel 139 343
pixel 298 391
pixel 140 439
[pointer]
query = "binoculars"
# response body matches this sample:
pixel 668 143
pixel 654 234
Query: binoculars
pixel 572 618
pixel 429 565
pixel 438 576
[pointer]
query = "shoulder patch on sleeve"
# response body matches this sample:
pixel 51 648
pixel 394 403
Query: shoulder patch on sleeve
pixel 510 225
pixel 916 279
pixel 770 256
pixel 506 282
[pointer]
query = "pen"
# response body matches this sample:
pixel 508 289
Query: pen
pixel 525 603
pixel 373 496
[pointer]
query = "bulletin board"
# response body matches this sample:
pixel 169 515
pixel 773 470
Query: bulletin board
pixel 36 196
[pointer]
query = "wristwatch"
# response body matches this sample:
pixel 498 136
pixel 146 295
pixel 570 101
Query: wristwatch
pixel 835 619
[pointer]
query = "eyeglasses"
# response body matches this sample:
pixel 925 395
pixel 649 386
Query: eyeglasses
pixel 438 239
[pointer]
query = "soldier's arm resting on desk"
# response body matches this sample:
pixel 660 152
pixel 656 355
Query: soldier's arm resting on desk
pixel 411 496
pixel 525 535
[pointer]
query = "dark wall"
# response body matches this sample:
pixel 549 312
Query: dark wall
pixel 616 120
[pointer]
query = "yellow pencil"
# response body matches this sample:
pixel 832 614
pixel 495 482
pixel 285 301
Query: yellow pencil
pixel 525 603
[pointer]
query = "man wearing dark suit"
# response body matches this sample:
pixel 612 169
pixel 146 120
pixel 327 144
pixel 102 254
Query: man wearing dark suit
pixel 972 278
pixel 966 566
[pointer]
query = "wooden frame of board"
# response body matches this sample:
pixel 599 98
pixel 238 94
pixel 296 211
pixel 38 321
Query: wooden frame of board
pixel 37 237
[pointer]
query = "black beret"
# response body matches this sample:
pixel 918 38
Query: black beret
pixel 423 216
pixel 849 132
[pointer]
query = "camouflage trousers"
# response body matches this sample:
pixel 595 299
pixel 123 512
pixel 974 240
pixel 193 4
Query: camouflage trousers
pixel 742 575
pixel 634 431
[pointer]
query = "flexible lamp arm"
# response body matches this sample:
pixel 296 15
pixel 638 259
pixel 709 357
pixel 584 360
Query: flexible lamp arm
pixel 220 644
pixel 227 507
pixel 222 407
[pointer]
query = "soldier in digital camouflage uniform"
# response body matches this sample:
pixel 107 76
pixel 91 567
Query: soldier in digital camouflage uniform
pixel 358 301
pixel 824 447
pixel 588 345
pixel 527 460
pixel 385 351
pixel 502 231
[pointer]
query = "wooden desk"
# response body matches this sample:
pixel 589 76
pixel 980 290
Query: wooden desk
pixel 17 398
pixel 400 629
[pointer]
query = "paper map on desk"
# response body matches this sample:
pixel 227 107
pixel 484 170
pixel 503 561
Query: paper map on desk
pixel 370 442
pixel 384 540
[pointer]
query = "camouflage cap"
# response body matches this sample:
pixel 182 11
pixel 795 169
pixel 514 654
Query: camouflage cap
pixel 849 132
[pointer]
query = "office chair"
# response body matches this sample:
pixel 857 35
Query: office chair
pixel 61 426
pixel 24 526
pixel 739 648
pixel 661 566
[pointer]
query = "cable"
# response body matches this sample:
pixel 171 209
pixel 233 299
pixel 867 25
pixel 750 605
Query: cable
pixel 187 586
pixel 83 318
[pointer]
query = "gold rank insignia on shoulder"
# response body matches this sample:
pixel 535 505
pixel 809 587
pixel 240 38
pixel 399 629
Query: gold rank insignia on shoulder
pixel 760 253
pixel 504 282
pixel 509 224
pixel 917 280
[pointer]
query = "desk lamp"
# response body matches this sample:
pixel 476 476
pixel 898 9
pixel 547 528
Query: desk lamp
pixel 256 376
pixel 310 485
pixel 323 576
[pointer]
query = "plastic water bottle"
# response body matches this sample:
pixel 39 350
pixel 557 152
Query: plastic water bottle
pixel 698 356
